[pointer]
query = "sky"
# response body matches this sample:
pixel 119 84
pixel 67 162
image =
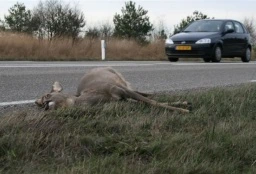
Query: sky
pixel 168 12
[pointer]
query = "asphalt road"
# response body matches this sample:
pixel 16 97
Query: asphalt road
pixel 22 81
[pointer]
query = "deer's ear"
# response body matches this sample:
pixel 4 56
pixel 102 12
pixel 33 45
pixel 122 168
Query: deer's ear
pixel 56 87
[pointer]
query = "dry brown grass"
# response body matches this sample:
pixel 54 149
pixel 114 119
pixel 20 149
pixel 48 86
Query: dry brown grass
pixel 131 50
pixel 24 47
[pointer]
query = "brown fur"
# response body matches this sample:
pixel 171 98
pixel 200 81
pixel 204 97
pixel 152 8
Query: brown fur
pixel 100 85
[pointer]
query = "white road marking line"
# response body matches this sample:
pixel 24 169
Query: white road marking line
pixel 234 63
pixel 253 81
pixel 116 63
pixel 67 65
pixel 17 102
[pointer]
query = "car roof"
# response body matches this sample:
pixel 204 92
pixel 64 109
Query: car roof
pixel 219 20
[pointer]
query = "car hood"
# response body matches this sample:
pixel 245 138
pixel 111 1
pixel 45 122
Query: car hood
pixel 193 36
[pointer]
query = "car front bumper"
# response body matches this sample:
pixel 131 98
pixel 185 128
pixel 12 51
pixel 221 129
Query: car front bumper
pixel 197 50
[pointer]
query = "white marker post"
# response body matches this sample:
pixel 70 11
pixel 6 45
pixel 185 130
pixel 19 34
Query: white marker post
pixel 103 49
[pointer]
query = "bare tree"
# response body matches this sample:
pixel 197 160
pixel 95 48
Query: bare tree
pixel 55 19
pixel 250 25
pixel 102 31
pixel 106 30
pixel 92 33
pixel 2 25
pixel 160 31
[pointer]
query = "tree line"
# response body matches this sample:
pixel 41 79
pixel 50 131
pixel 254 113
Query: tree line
pixel 49 19
pixel 53 19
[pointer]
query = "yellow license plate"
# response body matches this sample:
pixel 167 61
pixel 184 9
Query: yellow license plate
pixel 183 48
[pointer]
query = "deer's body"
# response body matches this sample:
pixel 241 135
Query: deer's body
pixel 101 79
pixel 99 85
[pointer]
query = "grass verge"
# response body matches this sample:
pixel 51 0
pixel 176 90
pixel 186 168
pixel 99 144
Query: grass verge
pixel 219 136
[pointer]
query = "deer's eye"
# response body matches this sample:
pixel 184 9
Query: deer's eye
pixel 48 96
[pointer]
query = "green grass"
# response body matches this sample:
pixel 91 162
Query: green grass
pixel 219 136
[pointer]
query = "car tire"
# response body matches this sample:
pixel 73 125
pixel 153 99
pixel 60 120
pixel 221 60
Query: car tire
pixel 171 59
pixel 207 59
pixel 247 55
pixel 217 54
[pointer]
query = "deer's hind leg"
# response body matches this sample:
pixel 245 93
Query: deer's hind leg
pixel 118 93
pixel 144 94
pixel 182 104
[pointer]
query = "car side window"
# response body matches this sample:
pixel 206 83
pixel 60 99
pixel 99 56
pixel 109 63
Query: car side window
pixel 229 25
pixel 238 28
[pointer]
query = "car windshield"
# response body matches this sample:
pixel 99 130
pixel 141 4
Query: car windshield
pixel 204 26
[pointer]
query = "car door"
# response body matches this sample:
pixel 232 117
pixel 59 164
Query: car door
pixel 228 39
pixel 240 39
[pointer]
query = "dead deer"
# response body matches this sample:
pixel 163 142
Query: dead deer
pixel 100 85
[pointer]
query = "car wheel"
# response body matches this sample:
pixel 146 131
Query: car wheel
pixel 207 59
pixel 171 59
pixel 247 55
pixel 217 54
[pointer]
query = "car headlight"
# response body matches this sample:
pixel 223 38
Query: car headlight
pixel 168 41
pixel 204 41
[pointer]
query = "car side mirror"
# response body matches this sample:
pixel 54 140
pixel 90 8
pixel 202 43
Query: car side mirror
pixel 230 31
